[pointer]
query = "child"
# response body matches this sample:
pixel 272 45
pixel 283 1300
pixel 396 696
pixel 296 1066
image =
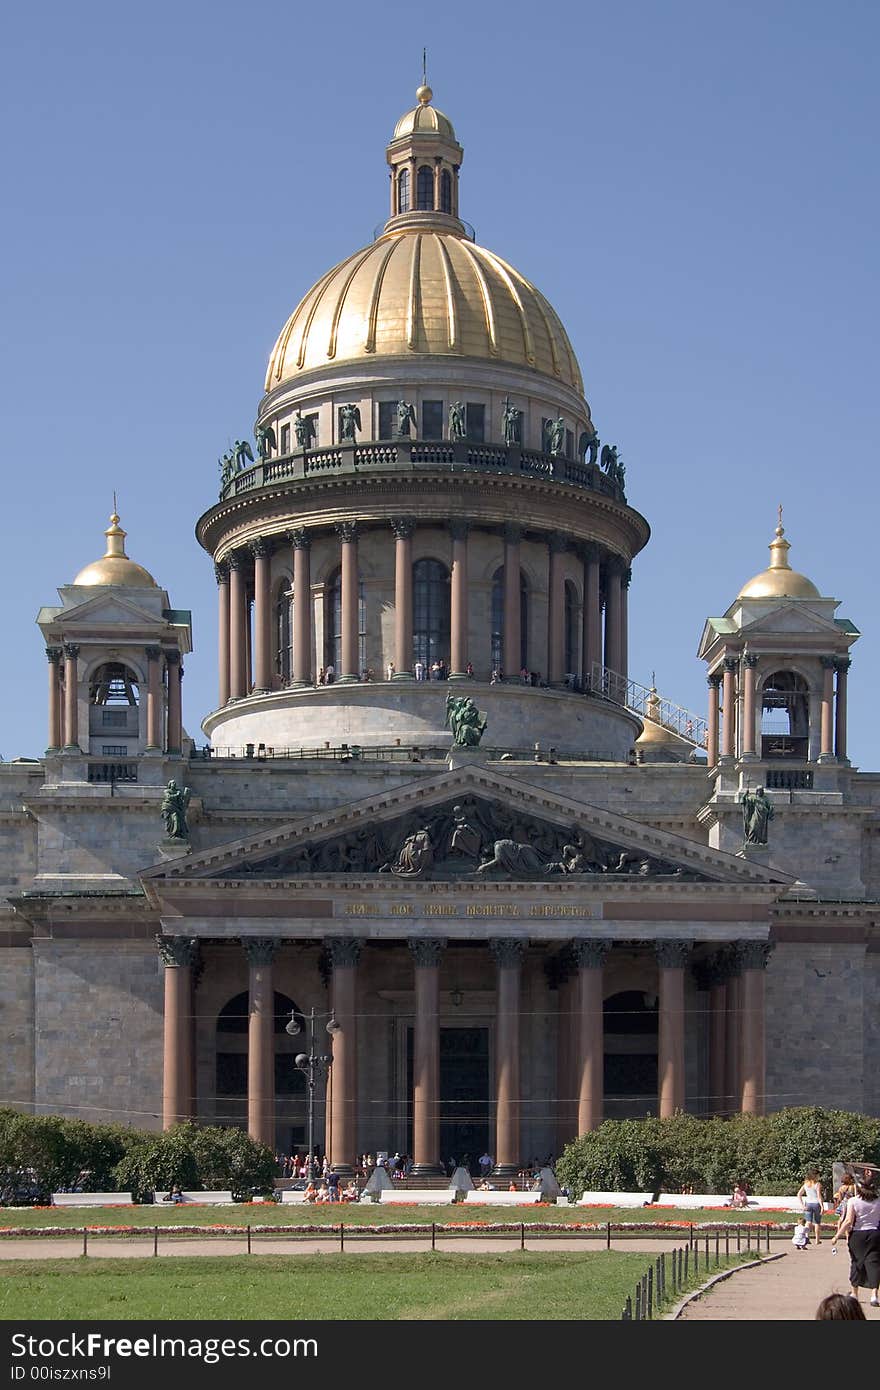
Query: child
pixel 801 1238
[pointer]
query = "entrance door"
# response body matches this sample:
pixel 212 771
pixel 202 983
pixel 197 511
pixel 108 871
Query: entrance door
pixel 464 1094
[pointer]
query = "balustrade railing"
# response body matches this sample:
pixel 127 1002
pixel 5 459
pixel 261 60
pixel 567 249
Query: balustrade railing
pixel 644 700
pixel 352 457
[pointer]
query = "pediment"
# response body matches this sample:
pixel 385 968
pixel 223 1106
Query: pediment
pixel 107 610
pixel 790 620
pixel 471 824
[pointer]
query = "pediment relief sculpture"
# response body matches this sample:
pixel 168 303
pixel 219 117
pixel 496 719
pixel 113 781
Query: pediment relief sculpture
pixel 472 839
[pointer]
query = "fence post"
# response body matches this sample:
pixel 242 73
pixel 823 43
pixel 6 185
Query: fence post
pixel 707 1249
pixel 607 1235
pixel 522 1235
pixel 155 1240
pixel 768 1237
pixel 727 1240
pixel 85 1240
pixel 691 1234
pixel 249 1238
pixel 638 1302
pixel 341 1237
pixel 748 1238
pixel 627 1311
pixel 687 1251
pixel 717 1246
pixel 433 1237
pixel 650 1290
pixel 680 1264
pixel 738 1234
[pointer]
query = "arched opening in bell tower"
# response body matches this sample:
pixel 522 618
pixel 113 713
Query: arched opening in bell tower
pixel 785 716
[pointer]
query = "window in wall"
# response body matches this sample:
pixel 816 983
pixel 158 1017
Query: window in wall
pixel 569 444
pixel 333 625
pixel 496 654
pixel 114 750
pixel 446 191
pixel 430 612
pixel 403 191
pixel 283 637
pixel 570 644
pixel 285 439
pixel 425 189
pixel 114 718
pixel 231 1044
pixel 387 419
pixel 432 419
pixel 475 422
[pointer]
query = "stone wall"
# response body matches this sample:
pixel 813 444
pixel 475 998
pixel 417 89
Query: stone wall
pixel 17 1024
pixel 815 1004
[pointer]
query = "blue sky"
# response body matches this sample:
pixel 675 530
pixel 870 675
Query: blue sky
pixel 692 185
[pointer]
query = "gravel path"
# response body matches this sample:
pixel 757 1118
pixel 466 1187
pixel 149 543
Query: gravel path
pixel 785 1290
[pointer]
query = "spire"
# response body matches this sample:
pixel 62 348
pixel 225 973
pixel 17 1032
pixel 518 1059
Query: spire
pixel 779 547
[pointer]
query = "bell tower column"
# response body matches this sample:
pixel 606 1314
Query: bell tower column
pixel 843 666
pixel 71 704
pixel 174 667
pixel 53 656
pixel 154 700
pixel 712 728
pixel 728 701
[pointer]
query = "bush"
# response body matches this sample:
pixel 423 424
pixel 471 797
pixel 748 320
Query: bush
pixel 44 1153
pixel 194 1158
pixel 770 1153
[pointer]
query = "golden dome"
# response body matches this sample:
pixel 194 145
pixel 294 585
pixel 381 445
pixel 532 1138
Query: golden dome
pixel 780 580
pixel 421 290
pixel 423 119
pixel 114 567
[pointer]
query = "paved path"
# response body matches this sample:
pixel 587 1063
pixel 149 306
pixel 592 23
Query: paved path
pixel 784 1290
pixel 135 1248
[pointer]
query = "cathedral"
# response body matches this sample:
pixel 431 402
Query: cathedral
pixel 437 875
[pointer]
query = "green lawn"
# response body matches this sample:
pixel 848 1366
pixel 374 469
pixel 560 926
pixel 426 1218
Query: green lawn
pixel 357 1214
pixel 443 1287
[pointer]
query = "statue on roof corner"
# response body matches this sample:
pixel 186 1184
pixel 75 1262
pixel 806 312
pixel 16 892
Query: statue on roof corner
pixel 174 807
pixel 554 437
pixel 406 419
pixel 511 423
pixel 757 813
pixel 242 453
pixel 588 447
pixel 468 724
pixel 304 429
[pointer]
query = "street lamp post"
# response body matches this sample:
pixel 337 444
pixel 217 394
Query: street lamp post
pixel 312 1065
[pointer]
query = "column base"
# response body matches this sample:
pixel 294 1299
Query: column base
pixel 49 752
pixel 344 1170
pixel 402 676
pixel 459 676
pixel 347 680
pixel 427 1170
pixel 826 758
pixel 751 757
pixel 301 685
pixel 504 1172
pixel 71 748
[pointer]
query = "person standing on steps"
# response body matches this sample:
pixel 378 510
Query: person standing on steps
pixel 861 1226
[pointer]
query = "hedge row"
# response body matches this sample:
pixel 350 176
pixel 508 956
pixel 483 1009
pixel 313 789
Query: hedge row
pixel 771 1153
pixel 42 1154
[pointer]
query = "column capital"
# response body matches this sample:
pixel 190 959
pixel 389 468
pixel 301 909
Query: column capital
pixel 53 655
pixel 756 954
pixel 260 547
pixel 71 649
pixel 344 951
pixel 221 572
pixel 626 576
pixel 403 527
pixel 458 529
pixel 589 954
pixel 512 533
pixel 714 680
pixel 508 951
pixel 427 950
pixel 172 658
pixel 235 560
pixel 589 553
pixel 152 653
pixel 750 660
pixel 730 958
pixel 347 531
pixel 672 955
pixel 557 543
pixel 731 663
pixel 614 566
pixel 842 665
pixel 829 663
pixel 711 971
pixel 300 539
pixel 177 950
pixel 260 950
